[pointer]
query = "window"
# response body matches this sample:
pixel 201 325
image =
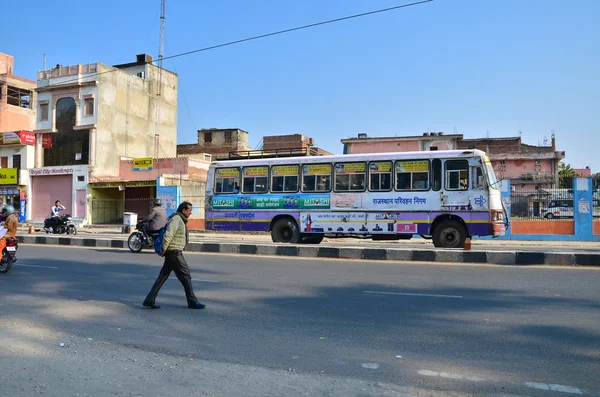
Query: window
pixel 19 97
pixel 412 175
pixel 44 112
pixel 227 180
pixel 255 179
pixel 350 177
pixel 380 175
pixel 457 175
pixel 89 107
pixel 436 175
pixel 4 162
pixel 228 136
pixel 478 179
pixel 284 178
pixel 208 137
pixel 17 161
pixel 68 147
pixel 316 178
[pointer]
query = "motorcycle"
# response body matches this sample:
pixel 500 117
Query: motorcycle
pixel 141 239
pixel 64 224
pixel 9 250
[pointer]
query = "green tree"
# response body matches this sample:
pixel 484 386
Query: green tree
pixel 566 175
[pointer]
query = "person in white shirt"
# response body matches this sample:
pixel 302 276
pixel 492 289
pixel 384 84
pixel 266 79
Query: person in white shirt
pixel 55 212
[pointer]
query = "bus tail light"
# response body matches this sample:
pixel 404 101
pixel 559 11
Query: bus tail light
pixel 497 216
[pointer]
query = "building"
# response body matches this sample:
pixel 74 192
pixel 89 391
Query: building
pixel 17 120
pixel 583 172
pixel 218 142
pixel 90 116
pixel 521 163
pixel 525 165
pixel 296 145
pixel 134 187
pixel 17 98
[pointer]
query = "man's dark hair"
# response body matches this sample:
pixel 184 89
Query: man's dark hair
pixel 56 202
pixel 184 206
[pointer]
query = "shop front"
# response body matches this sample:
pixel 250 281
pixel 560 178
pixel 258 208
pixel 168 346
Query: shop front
pixel 110 200
pixel 68 184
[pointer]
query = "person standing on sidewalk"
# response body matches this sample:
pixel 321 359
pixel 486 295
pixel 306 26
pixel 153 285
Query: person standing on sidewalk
pixel 174 241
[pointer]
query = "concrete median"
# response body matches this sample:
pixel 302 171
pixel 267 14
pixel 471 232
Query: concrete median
pixel 509 257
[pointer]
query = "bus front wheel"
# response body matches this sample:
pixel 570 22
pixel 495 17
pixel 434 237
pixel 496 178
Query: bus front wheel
pixel 449 234
pixel 285 231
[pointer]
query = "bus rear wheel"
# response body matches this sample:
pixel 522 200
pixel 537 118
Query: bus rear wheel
pixel 449 234
pixel 285 230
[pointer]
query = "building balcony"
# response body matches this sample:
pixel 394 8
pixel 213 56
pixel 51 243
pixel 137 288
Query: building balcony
pixel 534 178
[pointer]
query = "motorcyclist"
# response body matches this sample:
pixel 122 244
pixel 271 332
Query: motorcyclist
pixel 10 220
pixel 55 213
pixel 157 218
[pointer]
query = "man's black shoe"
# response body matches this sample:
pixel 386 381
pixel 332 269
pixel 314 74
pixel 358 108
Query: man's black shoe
pixel 196 305
pixel 150 305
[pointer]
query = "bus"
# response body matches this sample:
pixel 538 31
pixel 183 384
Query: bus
pixel 445 196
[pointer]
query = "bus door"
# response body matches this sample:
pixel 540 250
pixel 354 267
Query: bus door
pixel 455 194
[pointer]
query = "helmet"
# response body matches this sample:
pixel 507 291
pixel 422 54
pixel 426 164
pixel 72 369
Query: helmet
pixel 157 202
pixel 8 209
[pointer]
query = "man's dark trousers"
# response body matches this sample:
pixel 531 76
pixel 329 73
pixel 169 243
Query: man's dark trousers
pixel 174 262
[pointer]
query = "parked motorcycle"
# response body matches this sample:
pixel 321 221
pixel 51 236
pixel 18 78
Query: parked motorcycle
pixel 64 224
pixel 8 254
pixel 141 239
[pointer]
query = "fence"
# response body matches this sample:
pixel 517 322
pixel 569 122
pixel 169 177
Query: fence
pixel 550 202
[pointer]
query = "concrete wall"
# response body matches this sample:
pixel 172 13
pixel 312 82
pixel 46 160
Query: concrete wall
pixel 130 113
pixel 516 168
pixel 384 146
pixel 219 146
pixel 14 118
pixel 543 227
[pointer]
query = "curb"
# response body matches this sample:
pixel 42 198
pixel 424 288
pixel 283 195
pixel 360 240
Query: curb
pixel 510 258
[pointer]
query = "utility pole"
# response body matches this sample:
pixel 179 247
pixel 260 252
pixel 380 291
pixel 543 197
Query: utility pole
pixel 161 49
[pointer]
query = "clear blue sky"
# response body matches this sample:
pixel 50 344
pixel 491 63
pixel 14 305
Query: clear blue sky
pixel 467 65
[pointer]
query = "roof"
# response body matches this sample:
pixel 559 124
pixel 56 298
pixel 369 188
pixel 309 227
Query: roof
pixel 401 138
pixel 351 157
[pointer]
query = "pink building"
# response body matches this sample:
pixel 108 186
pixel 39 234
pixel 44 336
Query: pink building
pixel 524 165
pixel 427 141
pixel 17 98
pixel 583 172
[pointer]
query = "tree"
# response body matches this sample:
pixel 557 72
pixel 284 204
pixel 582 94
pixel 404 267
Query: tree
pixel 566 175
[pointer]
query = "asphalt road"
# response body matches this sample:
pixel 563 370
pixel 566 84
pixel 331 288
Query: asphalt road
pixel 477 330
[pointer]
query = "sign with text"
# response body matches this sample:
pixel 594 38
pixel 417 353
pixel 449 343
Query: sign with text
pixel 350 168
pixel 9 176
pixel 143 164
pixel 380 166
pixel 47 140
pixel 412 166
pixel 317 169
pixel 256 171
pixel 284 170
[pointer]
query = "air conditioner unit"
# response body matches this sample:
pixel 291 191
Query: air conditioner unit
pixel 362 135
pixel 140 74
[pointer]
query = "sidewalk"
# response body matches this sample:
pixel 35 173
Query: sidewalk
pixel 419 250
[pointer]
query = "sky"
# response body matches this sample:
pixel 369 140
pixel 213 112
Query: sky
pixel 474 67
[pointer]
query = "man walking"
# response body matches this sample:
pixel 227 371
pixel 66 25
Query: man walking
pixel 174 241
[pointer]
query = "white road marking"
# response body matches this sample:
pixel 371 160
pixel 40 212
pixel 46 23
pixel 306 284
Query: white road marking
pixel 449 375
pixel 370 365
pixel 199 280
pixel 43 267
pixel 553 387
pixel 410 294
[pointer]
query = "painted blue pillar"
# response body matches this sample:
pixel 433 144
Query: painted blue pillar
pixel 505 196
pixel 583 209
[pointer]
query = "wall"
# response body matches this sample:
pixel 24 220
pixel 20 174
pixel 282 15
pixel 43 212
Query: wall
pixel 219 147
pixel 516 168
pixel 596 227
pixel 543 227
pixel 372 146
pixel 130 113
pixel 296 141
pixel 14 118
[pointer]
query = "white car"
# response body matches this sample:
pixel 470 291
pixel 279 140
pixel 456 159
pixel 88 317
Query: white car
pixel 563 208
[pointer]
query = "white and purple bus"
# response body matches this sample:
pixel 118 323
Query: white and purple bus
pixel 443 195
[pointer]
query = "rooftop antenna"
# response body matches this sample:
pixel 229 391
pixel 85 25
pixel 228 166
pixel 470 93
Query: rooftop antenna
pixel 487 134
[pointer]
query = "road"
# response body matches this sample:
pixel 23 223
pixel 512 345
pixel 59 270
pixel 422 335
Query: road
pixel 286 326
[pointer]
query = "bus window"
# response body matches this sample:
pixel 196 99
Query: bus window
pixel 437 175
pixel 255 179
pixel 316 178
pixel 380 176
pixel 226 179
pixel 284 178
pixel 412 175
pixel 457 175
pixel 350 177
pixel 478 180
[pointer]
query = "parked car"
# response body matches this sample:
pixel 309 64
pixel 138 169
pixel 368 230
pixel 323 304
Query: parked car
pixel 563 208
